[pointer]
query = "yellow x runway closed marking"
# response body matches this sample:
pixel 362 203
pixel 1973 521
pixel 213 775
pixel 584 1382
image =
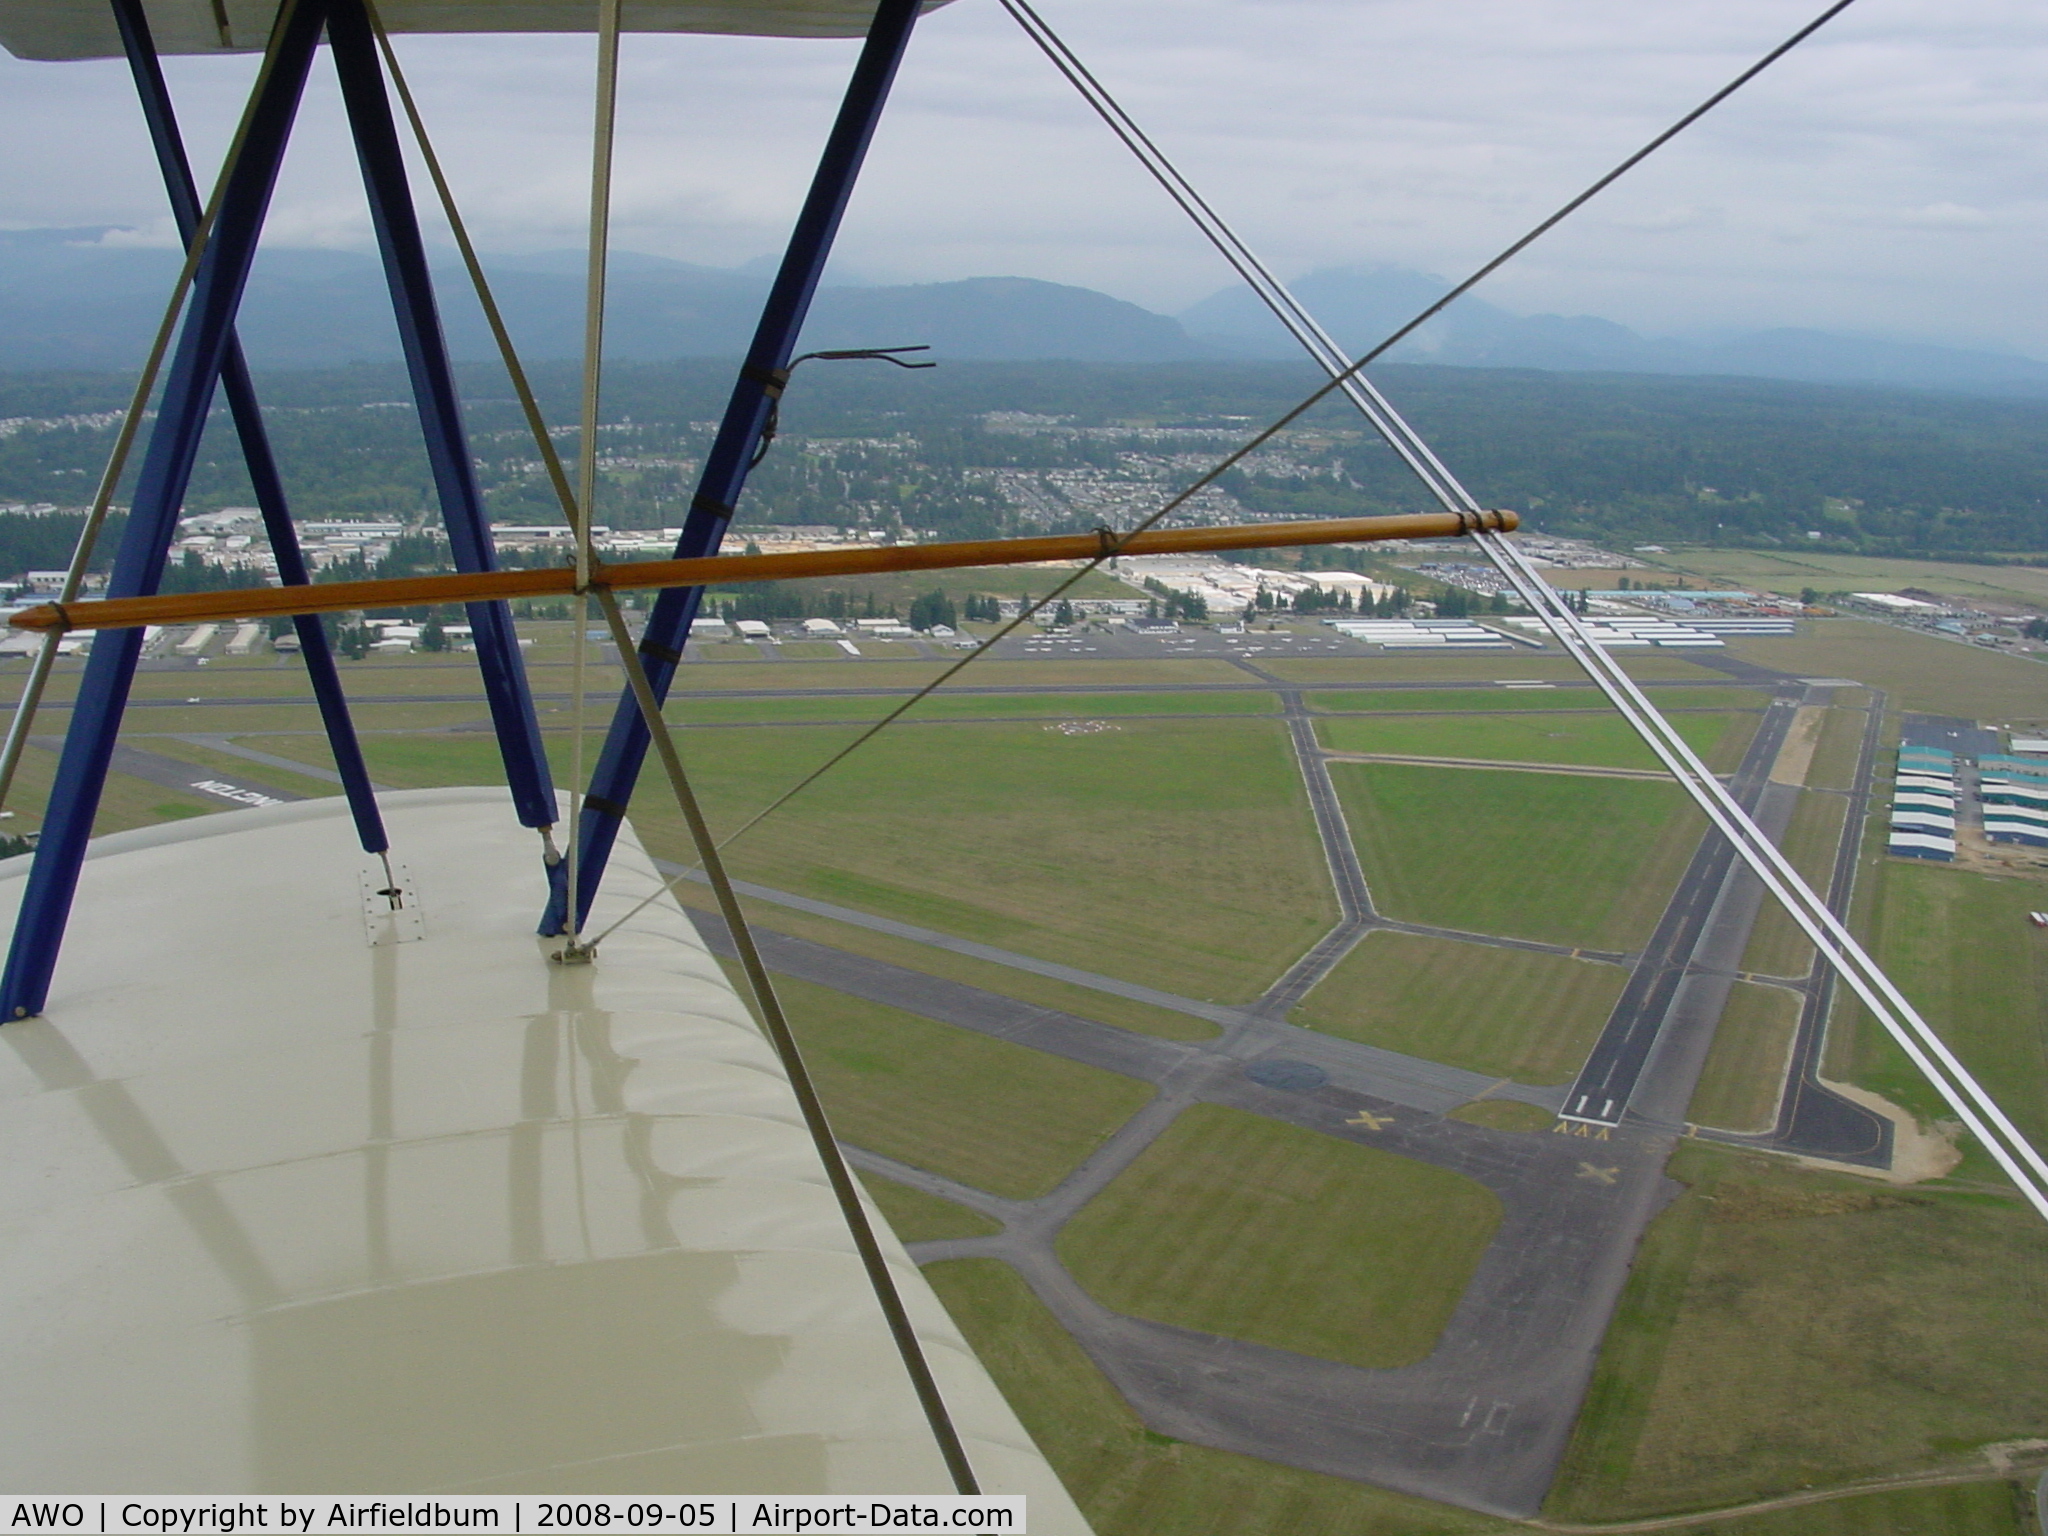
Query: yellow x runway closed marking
pixel 1598 1175
pixel 1370 1121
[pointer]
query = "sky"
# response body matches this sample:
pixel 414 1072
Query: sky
pixel 1889 178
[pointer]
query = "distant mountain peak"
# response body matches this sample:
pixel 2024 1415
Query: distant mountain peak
pixel 70 299
pixel 1361 305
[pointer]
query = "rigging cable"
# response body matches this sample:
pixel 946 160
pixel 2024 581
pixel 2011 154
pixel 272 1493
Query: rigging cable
pixel 1925 1049
pixel 781 376
pixel 1978 1111
pixel 493 317
pixel 767 1003
pixel 607 111
pixel 131 425
pixel 776 1025
pixel 1342 373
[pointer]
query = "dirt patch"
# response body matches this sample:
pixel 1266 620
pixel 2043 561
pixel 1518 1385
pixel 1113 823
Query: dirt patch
pixel 1919 1153
pixel 1974 851
pixel 1795 756
pixel 1734 1202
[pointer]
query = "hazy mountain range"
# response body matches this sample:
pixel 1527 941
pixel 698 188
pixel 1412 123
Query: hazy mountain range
pixel 69 301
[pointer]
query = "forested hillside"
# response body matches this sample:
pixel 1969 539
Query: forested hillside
pixel 973 448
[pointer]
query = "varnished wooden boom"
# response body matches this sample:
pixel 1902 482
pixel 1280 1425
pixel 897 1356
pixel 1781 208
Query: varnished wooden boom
pixel 725 570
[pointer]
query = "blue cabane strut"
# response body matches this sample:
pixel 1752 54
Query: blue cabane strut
pixel 205 351
pixel 248 416
pixel 760 384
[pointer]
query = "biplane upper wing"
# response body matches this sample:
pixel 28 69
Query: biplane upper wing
pixel 84 29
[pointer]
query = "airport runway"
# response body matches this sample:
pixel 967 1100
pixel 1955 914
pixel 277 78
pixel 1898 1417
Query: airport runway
pixel 1483 1421
pixel 189 778
pixel 1614 1067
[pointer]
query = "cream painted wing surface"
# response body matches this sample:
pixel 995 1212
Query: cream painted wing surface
pixel 298 1197
pixel 84 29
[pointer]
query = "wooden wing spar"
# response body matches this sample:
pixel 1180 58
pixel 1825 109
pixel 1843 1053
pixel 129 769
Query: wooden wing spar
pixel 722 570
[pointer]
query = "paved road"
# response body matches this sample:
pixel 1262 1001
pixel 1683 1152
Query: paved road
pixel 1217 1013
pixel 1410 1081
pixel 174 773
pixel 1813 1119
pixel 1483 1420
pixel 232 748
pixel 1499 765
pixel 1615 1065
pixel 898 691
pixel 1354 898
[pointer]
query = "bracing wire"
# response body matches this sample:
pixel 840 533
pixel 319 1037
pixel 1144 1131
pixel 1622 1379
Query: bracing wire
pixel 1342 373
pixel 1869 983
pixel 529 405
pixel 775 1023
pixel 1979 1113
pixel 131 425
pixel 508 355
pixel 760 986
pixel 607 111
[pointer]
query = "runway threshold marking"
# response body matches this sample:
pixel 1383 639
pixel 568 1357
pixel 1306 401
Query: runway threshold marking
pixel 1590 1130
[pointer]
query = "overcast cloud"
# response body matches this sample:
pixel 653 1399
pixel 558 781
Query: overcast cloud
pixel 1889 178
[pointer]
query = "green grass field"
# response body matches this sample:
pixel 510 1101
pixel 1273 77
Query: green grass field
pixel 1496 700
pixel 809 650
pixel 1650 666
pixel 991 1114
pixel 1784 1328
pixel 1745 1070
pixel 1132 1482
pixel 917 1217
pixel 1048 672
pixel 224 719
pixel 1504 1115
pixel 231 766
pixel 1234 1224
pixel 1577 861
pixel 1970 1509
pixel 1083 1002
pixel 1960 946
pixel 1776 946
pixel 1920 673
pixel 1504 1012
pixel 699 710
pixel 1791 573
pixel 1840 747
pixel 1601 741
pixel 1180 854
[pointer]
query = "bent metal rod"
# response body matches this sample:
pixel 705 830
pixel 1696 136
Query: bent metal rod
pixel 723 570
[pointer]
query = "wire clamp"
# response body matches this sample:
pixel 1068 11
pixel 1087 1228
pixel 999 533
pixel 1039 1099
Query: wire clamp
pixel 774 381
pixel 702 502
pixel 574 952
